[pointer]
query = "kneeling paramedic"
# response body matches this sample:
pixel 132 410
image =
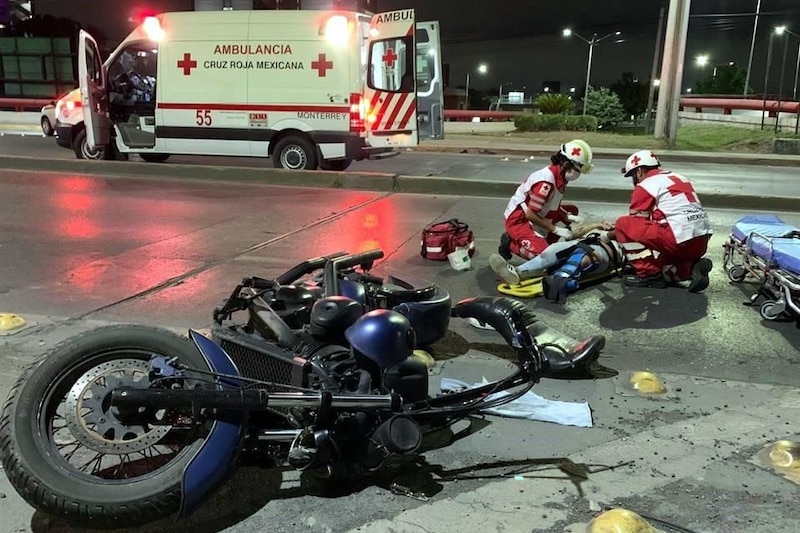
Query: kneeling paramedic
pixel 666 234
pixel 535 208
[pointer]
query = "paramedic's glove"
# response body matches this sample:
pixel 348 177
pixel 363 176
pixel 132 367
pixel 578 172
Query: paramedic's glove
pixel 604 236
pixel 574 219
pixel 565 233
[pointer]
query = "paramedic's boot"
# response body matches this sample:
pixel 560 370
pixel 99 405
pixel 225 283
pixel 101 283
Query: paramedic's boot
pixel 656 281
pixel 700 272
pixel 505 270
pixel 505 247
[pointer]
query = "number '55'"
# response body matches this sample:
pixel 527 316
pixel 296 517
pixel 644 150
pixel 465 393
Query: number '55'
pixel 203 117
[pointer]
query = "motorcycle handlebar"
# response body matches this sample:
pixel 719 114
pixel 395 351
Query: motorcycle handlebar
pixel 306 267
pixel 332 267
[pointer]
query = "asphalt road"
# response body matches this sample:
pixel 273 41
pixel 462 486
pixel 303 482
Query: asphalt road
pixel 81 251
pixel 708 178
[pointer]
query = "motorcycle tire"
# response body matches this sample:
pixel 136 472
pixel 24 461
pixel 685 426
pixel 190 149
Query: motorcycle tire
pixel 66 383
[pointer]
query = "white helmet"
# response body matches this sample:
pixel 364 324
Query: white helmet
pixel 579 154
pixel 642 158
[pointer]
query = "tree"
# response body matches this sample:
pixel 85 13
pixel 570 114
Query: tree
pixel 632 94
pixel 605 105
pixel 554 103
pixel 729 79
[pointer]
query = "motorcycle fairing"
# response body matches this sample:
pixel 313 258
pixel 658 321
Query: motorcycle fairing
pixel 216 458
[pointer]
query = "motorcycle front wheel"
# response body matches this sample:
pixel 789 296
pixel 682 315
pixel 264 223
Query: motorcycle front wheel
pixel 67 453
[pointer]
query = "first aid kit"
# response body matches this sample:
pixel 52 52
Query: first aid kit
pixel 441 239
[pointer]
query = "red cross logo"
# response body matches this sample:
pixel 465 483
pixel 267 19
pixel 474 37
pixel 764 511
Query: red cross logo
pixel 187 64
pixel 322 65
pixel 636 160
pixel 576 151
pixel 682 187
pixel 389 58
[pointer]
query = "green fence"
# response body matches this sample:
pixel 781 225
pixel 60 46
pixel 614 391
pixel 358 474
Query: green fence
pixel 36 67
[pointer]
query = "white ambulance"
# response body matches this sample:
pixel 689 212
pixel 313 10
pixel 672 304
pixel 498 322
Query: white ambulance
pixel 307 88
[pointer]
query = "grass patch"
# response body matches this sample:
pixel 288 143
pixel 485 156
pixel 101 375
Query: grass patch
pixel 692 137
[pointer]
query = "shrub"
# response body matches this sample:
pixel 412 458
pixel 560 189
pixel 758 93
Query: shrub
pixel 606 106
pixel 580 123
pixel 554 103
pixel 537 122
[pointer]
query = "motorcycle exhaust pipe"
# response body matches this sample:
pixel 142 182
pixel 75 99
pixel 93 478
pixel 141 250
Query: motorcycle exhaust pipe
pixel 279 435
pixel 247 399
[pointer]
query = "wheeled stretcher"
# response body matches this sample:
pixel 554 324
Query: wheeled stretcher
pixel 768 249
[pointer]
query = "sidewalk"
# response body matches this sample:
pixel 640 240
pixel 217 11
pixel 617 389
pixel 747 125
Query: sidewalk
pixel 486 144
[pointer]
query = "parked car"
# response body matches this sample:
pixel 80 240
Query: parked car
pixel 48 117
pixel 70 130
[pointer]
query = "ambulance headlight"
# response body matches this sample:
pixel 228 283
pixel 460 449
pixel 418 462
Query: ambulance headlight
pixel 152 27
pixel 338 29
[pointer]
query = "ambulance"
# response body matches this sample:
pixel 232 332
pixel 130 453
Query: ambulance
pixel 308 89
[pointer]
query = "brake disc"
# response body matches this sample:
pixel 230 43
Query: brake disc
pixel 89 416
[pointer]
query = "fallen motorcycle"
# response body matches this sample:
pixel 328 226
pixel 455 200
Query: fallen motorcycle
pixel 128 424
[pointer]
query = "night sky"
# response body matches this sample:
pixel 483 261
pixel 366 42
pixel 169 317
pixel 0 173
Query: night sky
pixel 521 43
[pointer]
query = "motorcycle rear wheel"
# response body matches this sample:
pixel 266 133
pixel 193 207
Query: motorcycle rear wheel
pixel 67 454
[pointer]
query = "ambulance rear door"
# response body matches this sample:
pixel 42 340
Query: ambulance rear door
pixel 391 94
pixel 430 81
pixel 94 92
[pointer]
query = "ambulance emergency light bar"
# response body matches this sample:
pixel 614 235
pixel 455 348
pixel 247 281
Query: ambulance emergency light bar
pixel 152 27
pixel 338 29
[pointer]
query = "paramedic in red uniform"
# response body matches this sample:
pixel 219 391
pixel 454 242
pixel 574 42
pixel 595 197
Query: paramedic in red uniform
pixel 666 234
pixel 533 212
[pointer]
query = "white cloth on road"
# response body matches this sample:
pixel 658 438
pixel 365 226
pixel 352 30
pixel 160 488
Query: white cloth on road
pixel 531 406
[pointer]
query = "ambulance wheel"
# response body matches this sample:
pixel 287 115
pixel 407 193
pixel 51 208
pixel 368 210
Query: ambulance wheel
pixel 154 158
pixel 337 165
pixel 737 273
pixel 768 311
pixel 295 153
pixel 80 145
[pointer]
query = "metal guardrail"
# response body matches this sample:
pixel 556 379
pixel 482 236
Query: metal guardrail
pixel 23 104
pixel 749 104
pixel 483 114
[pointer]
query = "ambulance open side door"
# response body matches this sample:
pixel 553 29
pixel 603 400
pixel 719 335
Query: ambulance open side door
pixel 94 92
pixel 391 94
pixel 430 81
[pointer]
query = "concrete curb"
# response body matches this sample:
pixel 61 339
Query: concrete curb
pixel 364 181
pixel 620 155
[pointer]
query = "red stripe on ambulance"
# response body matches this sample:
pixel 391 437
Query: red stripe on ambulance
pixel 256 107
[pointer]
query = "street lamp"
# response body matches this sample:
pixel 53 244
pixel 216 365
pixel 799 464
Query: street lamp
pixel 500 94
pixel 481 69
pixel 702 61
pixel 779 31
pixel 797 65
pixel 567 32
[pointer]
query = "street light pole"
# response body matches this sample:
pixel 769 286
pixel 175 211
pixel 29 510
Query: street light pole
pixel 588 72
pixel 466 98
pixel 796 72
pixel 752 47
pixel 568 33
pixel 766 77
pixel 780 84
pixel 482 70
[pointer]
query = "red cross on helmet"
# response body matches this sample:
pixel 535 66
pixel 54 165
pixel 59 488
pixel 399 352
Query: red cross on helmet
pixel 642 158
pixel 579 154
